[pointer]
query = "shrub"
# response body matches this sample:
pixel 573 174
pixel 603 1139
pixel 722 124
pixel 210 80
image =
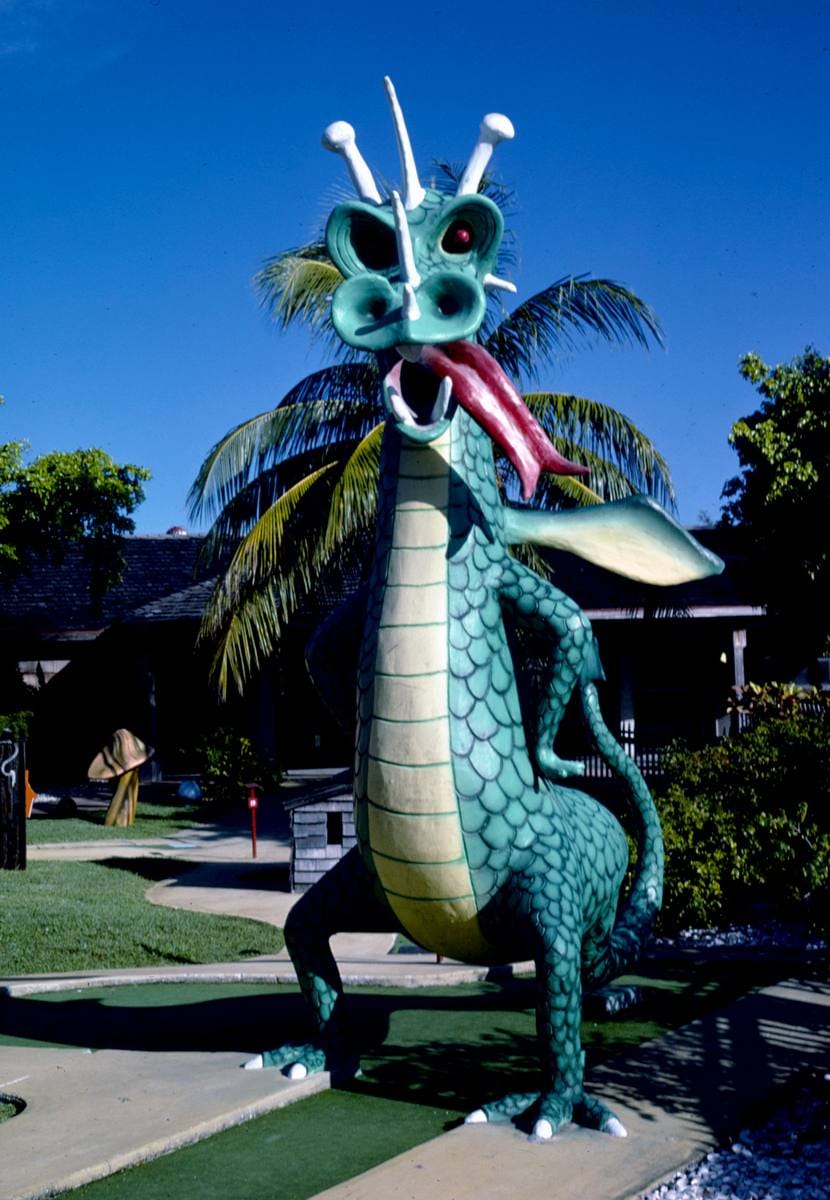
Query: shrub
pixel 747 825
pixel 227 761
pixel 17 723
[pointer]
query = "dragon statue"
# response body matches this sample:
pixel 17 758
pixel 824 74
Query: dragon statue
pixel 468 841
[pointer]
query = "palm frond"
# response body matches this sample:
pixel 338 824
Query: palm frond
pixel 258 555
pixel 242 511
pixel 354 498
pixel 563 313
pixel 338 402
pixel 283 555
pixel 298 284
pixel 599 435
pixel 245 642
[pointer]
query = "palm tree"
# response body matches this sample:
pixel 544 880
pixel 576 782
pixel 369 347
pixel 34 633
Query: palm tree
pixel 293 490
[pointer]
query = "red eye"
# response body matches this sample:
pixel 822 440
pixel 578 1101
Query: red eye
pixel 458 239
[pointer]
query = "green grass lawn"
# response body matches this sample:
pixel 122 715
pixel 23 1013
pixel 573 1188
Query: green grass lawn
pixel 78 916
pixel 429 1056
pixel 152 820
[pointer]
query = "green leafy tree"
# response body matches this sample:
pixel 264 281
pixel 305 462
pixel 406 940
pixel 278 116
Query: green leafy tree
pixel 782 496
pixel 66 498
pixel 292 490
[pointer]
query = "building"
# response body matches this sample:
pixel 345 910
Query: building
pixel 131 660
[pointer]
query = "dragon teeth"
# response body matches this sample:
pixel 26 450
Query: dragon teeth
pixel 442 400
pixel 399 406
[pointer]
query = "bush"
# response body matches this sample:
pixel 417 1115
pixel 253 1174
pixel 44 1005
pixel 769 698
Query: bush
pixel 747 826
pixel 17 723
pixel 227 761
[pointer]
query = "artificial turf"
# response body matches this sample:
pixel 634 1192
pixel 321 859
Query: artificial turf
pixel 428 1055
pixel 80 916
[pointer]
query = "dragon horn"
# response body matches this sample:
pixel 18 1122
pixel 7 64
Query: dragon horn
pixel 339 137
pixel 495 128
pixel 406 257
pixel 413 192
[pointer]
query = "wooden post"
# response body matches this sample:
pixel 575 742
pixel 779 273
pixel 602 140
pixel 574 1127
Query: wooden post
pixel 12 804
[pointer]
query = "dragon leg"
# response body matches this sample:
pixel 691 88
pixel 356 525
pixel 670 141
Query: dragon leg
pixel 538 604
pixel 550 899
pixel 342 901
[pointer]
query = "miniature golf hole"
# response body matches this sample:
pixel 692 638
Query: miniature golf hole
pixel 10 1106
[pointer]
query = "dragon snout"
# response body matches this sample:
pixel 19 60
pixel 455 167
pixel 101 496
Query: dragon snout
pixel 372 312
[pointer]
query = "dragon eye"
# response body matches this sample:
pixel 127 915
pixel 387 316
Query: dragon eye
pixel 373 242
pixel 458 239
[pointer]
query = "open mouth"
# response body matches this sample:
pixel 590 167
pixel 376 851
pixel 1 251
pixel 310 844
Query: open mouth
pixel 422 388
pixel 417 397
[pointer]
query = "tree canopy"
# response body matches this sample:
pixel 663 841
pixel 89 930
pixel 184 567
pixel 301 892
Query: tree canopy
pixel 782 496
pixel 65 498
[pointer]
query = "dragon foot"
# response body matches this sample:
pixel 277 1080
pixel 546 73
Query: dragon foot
pixel 502 1110
pixel 550 1112
pixel 297 1060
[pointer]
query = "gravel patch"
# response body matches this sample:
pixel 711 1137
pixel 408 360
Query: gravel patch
pixel 769 935
pixel 787 1158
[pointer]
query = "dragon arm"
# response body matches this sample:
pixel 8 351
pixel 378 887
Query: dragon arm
pixel 538 604
pixel 633 537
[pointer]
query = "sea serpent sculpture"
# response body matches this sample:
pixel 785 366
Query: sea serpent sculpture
pixel 466 842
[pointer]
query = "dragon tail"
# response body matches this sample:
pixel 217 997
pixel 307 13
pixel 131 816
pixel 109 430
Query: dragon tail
pixel 637 915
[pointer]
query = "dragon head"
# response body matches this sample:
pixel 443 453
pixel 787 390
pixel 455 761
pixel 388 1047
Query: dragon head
pixel 415 270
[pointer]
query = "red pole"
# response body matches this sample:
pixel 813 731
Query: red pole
pixel 253 788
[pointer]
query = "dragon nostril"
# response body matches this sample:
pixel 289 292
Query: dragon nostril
pixel 448 305
pixel 378 308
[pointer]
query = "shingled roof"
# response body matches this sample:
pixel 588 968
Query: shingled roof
pixel 55 598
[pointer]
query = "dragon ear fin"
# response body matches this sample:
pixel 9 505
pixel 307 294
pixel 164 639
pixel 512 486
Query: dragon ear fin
pixel 635 538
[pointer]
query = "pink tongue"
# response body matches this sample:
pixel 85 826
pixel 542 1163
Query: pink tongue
pixel 481 387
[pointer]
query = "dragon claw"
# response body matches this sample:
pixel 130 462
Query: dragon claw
pixel 594 1115
pixel 542 1131
pixel 477 1117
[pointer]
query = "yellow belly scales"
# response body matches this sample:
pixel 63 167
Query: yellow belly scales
pixel 415 836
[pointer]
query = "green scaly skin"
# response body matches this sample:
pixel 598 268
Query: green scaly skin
pixel 545 862
pixel 465 842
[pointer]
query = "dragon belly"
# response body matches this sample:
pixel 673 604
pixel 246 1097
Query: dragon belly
pixel 415 840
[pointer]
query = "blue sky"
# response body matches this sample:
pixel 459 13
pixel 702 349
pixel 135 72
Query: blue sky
pixel 156 151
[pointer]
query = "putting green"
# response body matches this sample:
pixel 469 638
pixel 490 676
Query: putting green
pixel 429 1055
